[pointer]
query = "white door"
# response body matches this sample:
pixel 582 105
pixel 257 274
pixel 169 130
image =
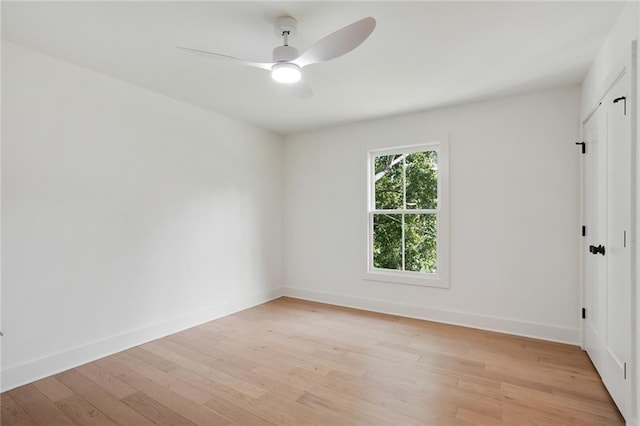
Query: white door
pixel 607 243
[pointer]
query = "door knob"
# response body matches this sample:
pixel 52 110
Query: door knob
pixel 596 250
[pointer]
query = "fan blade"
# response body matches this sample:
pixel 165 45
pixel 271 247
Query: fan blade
pixel 264 65
pixel 338 43
pixel 299 90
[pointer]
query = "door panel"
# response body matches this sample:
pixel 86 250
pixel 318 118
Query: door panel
pixel 595 218
pixel 607 204
pixel 619 223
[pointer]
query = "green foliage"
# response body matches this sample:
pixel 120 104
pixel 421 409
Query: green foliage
pixel 422 180
pixel 389 184
pixel 387 241
pixel 420 238
pixel 416 174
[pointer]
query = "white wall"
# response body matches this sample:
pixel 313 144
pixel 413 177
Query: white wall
pixel 514 215
pixel 616 45
pixel 126 215
pixel 609 60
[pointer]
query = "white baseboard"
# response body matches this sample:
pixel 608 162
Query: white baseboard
pixel 483 322
pixel 28 372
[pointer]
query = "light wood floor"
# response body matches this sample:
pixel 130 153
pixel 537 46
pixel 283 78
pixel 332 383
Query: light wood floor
pixel 296 362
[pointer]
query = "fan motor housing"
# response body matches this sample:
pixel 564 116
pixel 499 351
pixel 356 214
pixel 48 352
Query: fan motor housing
pixel 285 54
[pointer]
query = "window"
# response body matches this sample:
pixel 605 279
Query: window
pixel 408 215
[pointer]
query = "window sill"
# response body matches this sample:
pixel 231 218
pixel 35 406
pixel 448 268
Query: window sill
pixel 409 278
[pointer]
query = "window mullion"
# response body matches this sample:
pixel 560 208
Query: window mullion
pixel 408 211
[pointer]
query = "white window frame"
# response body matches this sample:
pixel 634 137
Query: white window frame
pixel 441 277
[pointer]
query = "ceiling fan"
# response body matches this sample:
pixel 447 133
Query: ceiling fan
pixel 287 64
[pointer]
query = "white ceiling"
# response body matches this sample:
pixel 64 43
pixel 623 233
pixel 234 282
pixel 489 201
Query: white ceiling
pixel 421 55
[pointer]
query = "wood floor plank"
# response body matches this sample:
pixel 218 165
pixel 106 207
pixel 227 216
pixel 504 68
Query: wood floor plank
pixel 106 380
pixel 38 407
pixel 12 413
pixel 102 400
pixel 474 417
pixel 222 366
pixel 236 414
pixel 163 379
pixel 153 388
pixel 209 348
pixel 254 407
pixel 82 412
pixel 204 372
pixel 299 362
pixel 583 410
pixel 270 353
pixel 155 411
pixel 275 405
pixel 53 389
pixel 262 406
pixel 368 402
pixel 357 414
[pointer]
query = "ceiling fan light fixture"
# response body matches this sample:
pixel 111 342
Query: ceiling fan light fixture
pixel 287 63
pixel 286 73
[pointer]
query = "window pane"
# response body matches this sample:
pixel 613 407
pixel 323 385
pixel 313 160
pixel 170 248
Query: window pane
pixel 387 241
pixel 420 236
pixel 422 180
pixel 388 182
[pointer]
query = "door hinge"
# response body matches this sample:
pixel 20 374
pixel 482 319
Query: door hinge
pixel 622 98
pixel 584 231
pixel 584 313
pixel 625 371
pixel 584 146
